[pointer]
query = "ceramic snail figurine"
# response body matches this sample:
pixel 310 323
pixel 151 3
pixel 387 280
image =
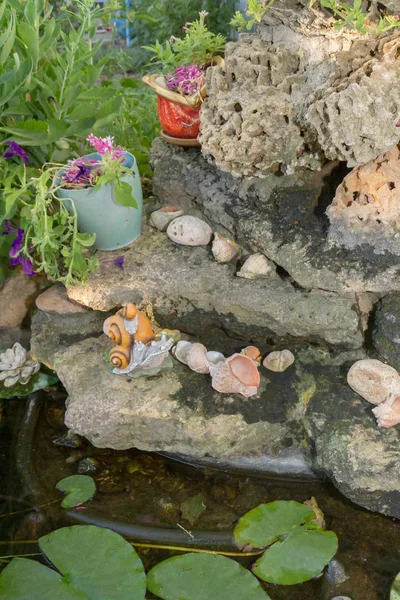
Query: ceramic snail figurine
pixel 237 374
pixel 136 348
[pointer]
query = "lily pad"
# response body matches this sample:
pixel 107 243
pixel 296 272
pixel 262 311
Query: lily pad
pixel 193 508
pixel 36 383
pixel 203 576
pixel 95 564
pixel 395 589
pixel 78 489
pixel 297 549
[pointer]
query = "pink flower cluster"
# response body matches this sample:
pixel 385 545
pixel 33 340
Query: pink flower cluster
pixel 186 80
pixel 105 146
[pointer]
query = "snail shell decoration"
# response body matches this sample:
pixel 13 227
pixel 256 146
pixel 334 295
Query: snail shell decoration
pixel 126 327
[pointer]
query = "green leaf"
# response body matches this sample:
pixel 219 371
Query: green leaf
pixel 30 38
pixel 8 39
pixel 203 577
pixel 263 525
pixel 79 489
pixel 95 564
pixel 123 194
pixel 298 549
pixel 395 589
pixel 36 383
pixel 86 239
pixel 300 557
pixel 193 508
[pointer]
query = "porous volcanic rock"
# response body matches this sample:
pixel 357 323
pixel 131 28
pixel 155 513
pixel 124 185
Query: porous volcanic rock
pixel 299 92
pixel 186 289
pixel 280 216
pixel 366 207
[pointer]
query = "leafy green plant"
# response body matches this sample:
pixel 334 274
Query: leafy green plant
pixel 354 17
pixel 95 564
pixel 297 548
pixel 255 11
pixel 203 576
pixel 78 489
pixel 395 589
pixel 197 47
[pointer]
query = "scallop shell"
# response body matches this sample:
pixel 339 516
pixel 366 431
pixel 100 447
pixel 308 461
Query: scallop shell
pixel 160 219
pixel 373 380
pixel 236 375
pixel 388 413
pixel 253 353
pixel 257 266
pixel 224 250
pixel 197 359
pixel 189 231
pixel 181 350
pixel 279 361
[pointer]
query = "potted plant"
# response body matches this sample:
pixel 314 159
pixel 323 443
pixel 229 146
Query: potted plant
pixel 105 191
pixel 181 88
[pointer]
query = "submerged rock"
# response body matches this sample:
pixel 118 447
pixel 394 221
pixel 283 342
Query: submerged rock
pixel 386 330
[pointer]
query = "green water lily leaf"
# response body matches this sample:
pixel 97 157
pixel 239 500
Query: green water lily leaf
pixel 395 589
pixel 39 381
pixel 78 489
pixel 297 548
pixel 203 576
pixel 265 524
pixel 95 564
pixel 300 557
pixel 193 508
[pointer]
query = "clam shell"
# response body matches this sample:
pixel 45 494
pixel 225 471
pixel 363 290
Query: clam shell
pixel 181 350
pixel 197 359
pixel 214 357
pixel 160 219
pixel 279 361
pixel 257 266
pixel 373 380
pixel 189 231
pixel 244 369
pixel 224 250
pixel 388 413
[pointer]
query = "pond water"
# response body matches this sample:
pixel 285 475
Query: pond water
pixel 149 490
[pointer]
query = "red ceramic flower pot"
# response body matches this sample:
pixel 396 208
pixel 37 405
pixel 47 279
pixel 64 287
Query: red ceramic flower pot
pixel 178 120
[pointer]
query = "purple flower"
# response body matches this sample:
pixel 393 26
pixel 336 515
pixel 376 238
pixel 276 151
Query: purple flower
pixel 15 150
pixel 117 262
pixel 16 247
pixel 186 80
pixel 25 263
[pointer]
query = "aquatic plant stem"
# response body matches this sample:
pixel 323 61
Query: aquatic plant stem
pixel 196 550
pixel 31 508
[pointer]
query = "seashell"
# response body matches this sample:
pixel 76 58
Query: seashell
pixel 373 380
pixel 180 351
pixel 253 353
pixel 197 358
pixel 236 375
pixel 160 219
pixel 388 413
pixel 120 357
pixel 278 361
pixel 224 250
pixel 257 266
pixel 214 357
pixel 189 231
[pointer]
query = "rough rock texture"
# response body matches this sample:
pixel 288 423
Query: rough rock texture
pixel 176 412
pixel 298 92
pixel 366 207
pixel 186 289
pixel 55 299
pixel 52 332
pixel 281 217
pixel 16 296
pixel 305 416
pixel 361 459
pixel 386 331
